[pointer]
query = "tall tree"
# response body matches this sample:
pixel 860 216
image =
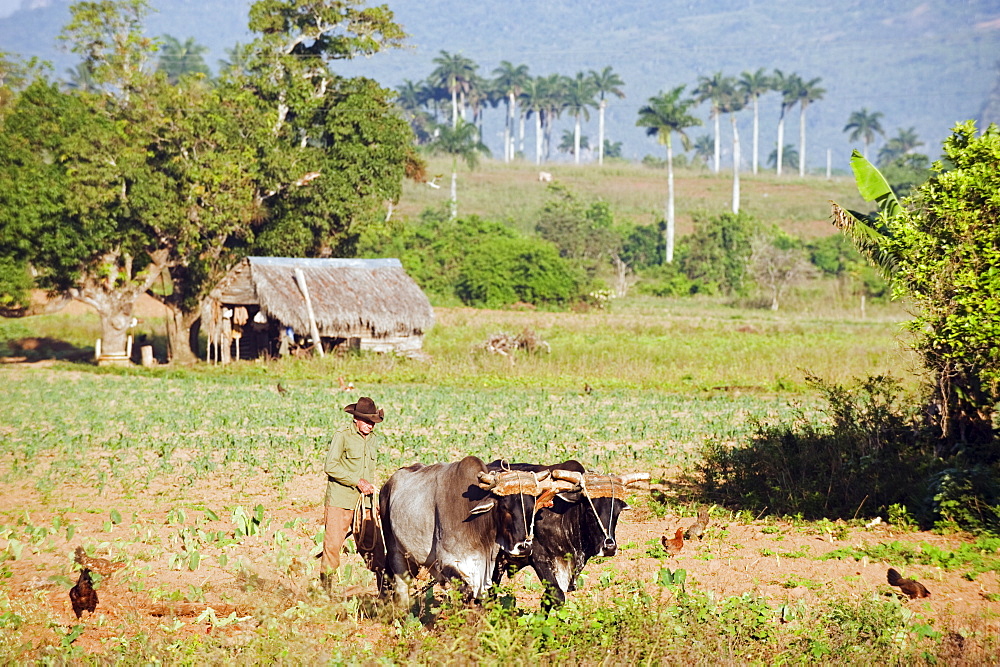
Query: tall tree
pixel 533 102
pixel 579 98
pixel 606 82
pixel 710 89
pixel 788 87
pixel 732 99
pixel 455 73
pixel 753 85
pixel 178 58
pixel 662 116
pixel 807 93
pixel 509 81
pixel 459 142
pixel 864 125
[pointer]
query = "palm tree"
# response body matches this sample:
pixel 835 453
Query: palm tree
pixel 509 82
pixel 898 146
pixel 753 85
pixel 864 125
pixel 788 86
pixel 178 59
pixel 461 141
pixel 554 103
pixel 81 78
pixel 709 88
pixel 606 82
pixel 580 91
pixel 569 142
pixel 533 102
pixel 238 60
pixel 808 92
pixel 732 98
pixel 789 153
pixel 454 73
pixel 704 147
pixel 665 114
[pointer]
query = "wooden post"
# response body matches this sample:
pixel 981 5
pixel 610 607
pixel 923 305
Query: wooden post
pixel 147 355
pixel 313 329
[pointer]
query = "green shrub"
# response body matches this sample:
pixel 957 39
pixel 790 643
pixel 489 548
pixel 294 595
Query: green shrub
pixel 501 271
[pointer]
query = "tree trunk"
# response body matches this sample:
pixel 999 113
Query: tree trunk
pixel 668 231
pixel 520 132
pixel 508 130
pixel 538 138
pixel 115 311
pixel 736 165
pixel 576 140
pixel 718 152
pixel 802 141
pixel 182 334
pixel 600 132
pixel 454 108
pixel 756 133
pixel 781 143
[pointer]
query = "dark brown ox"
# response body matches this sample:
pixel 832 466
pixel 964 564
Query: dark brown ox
pixel 577 526
pixel 452 520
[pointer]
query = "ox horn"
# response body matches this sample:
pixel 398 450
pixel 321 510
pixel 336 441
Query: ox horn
pixel 487 480
pixel 633 478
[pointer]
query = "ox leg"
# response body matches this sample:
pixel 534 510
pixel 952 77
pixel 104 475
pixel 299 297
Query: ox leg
pixel 401 591
pixel 555 582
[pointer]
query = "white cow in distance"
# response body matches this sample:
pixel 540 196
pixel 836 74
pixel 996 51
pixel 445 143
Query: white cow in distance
pixel 544 177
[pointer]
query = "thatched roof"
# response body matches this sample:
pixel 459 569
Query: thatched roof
pixel 350 297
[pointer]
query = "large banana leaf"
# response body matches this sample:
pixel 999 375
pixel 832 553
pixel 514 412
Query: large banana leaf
pixel 869 232
pixel 873 186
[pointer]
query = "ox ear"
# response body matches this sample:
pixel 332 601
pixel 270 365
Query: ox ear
pixel 483 507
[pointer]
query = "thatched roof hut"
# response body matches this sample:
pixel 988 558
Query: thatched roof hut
pixel 373 300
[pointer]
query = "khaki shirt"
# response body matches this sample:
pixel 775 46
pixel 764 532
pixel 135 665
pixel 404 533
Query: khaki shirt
pixel 351 458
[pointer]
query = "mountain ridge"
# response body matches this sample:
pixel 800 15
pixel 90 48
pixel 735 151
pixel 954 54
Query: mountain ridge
pixel 923 63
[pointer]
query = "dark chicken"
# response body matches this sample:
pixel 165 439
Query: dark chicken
pixel 83 596
pixel 914 589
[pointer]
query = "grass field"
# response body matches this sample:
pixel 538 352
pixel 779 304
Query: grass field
pixel 512 193
pixel 206 482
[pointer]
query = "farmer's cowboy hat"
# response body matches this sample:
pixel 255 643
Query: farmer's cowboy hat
pixel 365 409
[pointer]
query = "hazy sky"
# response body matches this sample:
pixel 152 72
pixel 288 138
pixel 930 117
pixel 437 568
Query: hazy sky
pixel 8 7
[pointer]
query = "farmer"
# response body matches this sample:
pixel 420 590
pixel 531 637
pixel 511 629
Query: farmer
pixel 350 464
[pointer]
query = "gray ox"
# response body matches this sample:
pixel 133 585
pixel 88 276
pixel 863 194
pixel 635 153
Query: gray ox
pixel 453 519
pixel 575 527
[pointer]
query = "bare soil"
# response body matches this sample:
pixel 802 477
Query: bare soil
pixel 775 560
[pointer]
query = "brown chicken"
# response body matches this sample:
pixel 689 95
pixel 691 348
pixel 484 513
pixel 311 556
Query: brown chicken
pixel 697 528
pixel 674 546
pixel 83 596
pixel 914 589
pixel 101 566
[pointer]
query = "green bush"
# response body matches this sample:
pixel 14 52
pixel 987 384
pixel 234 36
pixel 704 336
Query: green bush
pixel 501 271
pixel 718 251
pixel 868 458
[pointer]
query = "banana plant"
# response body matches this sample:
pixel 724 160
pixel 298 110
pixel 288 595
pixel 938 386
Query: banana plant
pixel 870 233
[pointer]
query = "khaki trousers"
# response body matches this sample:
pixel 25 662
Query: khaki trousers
pixel 337 522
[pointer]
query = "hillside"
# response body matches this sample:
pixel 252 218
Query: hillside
pixel 512 193
pixel 923 63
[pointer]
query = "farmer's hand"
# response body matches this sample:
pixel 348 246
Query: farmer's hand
pixel 365 487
